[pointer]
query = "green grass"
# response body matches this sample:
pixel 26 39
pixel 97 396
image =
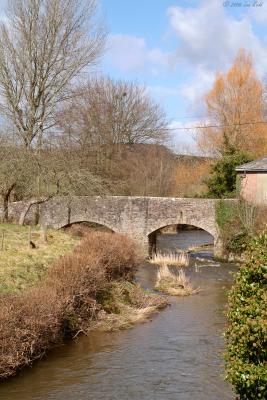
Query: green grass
pixel 22 266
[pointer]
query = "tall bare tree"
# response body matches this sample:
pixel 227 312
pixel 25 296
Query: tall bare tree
pixel 108 112
pixel 44 45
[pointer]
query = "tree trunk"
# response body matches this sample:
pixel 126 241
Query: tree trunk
pixel 5 208
pixel 6 203
pixel 28 206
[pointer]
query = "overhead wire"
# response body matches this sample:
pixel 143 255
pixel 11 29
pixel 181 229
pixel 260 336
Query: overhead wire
pixel 213 126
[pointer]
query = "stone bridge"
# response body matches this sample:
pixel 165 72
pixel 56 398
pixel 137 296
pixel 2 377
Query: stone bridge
pixel 137 217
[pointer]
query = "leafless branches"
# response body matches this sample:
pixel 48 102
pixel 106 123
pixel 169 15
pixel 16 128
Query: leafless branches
pixel 43 46
pixel 108 112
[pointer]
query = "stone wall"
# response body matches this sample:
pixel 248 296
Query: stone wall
pixel 137 217
pixel 16 208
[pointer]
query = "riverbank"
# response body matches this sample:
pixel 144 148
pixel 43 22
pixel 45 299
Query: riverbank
pixel 178 354
pixel 24 264
pixel 78 290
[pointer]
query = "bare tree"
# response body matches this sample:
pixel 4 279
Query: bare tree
pixel 248 215
pixel 16 173
pixel 64 173
pixel 107 112
pixel 43 46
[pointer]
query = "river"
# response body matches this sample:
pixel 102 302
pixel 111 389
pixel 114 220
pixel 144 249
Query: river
pixel 177 355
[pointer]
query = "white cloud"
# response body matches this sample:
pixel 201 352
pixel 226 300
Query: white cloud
pixel 260 13
pixel 192 92
pixel 126 52
pixel 158 56
pixel 163 91
pixel 183 140
pixel 131 53
pixel 208 39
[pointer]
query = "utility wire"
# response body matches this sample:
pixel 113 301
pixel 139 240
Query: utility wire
pixel 213 126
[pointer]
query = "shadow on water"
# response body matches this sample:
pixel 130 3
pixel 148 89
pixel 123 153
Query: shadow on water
pixel 177 355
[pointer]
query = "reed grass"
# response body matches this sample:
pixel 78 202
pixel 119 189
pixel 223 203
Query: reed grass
pixel 180 260
pixel 175 284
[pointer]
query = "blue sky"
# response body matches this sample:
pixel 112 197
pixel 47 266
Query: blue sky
pixel 175 48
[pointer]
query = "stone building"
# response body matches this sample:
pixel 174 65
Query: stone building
pixel 253 181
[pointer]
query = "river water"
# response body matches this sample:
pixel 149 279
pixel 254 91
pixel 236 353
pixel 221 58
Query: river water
pixel 177 355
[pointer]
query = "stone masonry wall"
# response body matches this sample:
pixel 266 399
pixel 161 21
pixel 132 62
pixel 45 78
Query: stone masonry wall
pixel 136 217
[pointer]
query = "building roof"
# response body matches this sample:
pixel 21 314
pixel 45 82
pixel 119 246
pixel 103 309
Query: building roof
pixel 254 166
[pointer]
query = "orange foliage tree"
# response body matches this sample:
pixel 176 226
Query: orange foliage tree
pixel 235 110
pixel 189 175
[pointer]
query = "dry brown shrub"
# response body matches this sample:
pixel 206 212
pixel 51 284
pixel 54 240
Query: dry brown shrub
pixel 36 320
pixel 78 230
pixel 116 253
pixel 189 175
pixel 29 324
pixel 82 229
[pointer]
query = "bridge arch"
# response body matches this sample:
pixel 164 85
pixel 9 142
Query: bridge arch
pixel 100 223
pixel 157 225
pixel 152 236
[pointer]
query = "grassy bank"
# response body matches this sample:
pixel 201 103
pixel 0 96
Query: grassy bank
pixel 91 286
pixel 22 266
pixel 125 304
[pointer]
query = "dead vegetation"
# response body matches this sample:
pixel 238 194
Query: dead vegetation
pixel 125 304
pixel 82 229
pixel 179 260
pixel 174 283
pixel 95 280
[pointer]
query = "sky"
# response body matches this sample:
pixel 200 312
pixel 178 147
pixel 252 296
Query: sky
pixel 176 47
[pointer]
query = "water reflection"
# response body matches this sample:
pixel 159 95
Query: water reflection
pixel 175 356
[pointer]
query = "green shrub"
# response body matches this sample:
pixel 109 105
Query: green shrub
pixel 232 232
pixel 226 212
pixel 246 356
pixel 238 243
pixel 238 222
pixel 222 180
